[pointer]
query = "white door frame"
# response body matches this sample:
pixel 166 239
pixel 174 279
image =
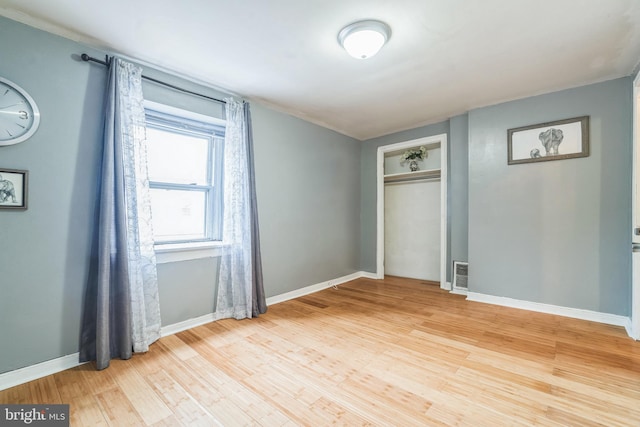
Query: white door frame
pixel 635 276
pixel 442 139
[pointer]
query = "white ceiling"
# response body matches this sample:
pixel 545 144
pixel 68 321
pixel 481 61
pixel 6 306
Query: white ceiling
pixel 444 57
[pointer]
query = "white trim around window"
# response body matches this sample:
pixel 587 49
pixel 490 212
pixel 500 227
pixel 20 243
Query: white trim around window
pixel 176 120
pixel 176 252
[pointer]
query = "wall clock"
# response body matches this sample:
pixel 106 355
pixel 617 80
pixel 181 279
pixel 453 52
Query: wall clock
pixel 19 114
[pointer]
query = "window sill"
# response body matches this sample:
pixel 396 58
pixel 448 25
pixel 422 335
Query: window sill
pixel 176 252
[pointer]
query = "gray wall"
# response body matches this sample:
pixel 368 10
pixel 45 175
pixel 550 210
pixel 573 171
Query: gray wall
pixel 187 289
pixel 46 249
pixel 458 190
pixel 308 183
pixel 308 196
pixel 554 232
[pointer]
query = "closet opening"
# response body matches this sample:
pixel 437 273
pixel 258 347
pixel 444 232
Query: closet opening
pixel 412 210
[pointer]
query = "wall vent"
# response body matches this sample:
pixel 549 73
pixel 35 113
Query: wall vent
pixel 460 275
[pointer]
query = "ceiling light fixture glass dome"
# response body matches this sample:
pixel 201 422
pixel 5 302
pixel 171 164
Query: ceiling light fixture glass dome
pixel 363 39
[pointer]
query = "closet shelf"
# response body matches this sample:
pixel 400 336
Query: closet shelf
pixel 411 176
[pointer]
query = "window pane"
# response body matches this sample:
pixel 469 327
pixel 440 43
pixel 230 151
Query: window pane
pixel 178 214
pixel 177 158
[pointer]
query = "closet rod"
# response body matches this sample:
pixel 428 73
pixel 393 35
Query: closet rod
pixel 405 180
pixel 87 58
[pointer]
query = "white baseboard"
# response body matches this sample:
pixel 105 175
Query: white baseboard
pixel 576 313
pixel 459 291
pixel 187 324
pixel 367 275
pixel 211 317
pixel 317 287
pixel 33 372
pixel 39 370
pixel 208 318
pixel 635 334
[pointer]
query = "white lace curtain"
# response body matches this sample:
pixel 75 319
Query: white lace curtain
pixel 122 310
pixel 240 287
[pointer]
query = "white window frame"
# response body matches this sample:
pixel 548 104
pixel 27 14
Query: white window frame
pixel 164 116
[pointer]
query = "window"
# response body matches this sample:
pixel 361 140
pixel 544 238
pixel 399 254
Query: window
pixel 184 153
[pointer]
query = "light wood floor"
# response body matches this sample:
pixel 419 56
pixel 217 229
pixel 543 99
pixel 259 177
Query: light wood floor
pixel 394 352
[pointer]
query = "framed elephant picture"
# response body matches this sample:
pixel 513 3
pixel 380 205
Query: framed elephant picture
pixel 13 189
pixel 562 139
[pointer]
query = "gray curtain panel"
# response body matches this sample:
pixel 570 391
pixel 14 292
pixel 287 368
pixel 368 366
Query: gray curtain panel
pixel 106 332
pixel 258 297
pixel 122 312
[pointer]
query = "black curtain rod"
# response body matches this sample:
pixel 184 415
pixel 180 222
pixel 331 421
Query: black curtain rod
pixel 107 61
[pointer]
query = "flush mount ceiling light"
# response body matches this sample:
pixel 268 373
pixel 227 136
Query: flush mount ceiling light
pixel 364 39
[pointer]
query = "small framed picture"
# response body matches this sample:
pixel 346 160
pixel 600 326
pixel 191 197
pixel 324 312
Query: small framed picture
pixel 562 139
pixel 13 189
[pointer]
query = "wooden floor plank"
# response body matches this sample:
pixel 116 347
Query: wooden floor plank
pixel 20 394
pixel 185 409
pixel 141 395
pixel 116 407
pixel 372 353
pixel 87 411
pixel 44 391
